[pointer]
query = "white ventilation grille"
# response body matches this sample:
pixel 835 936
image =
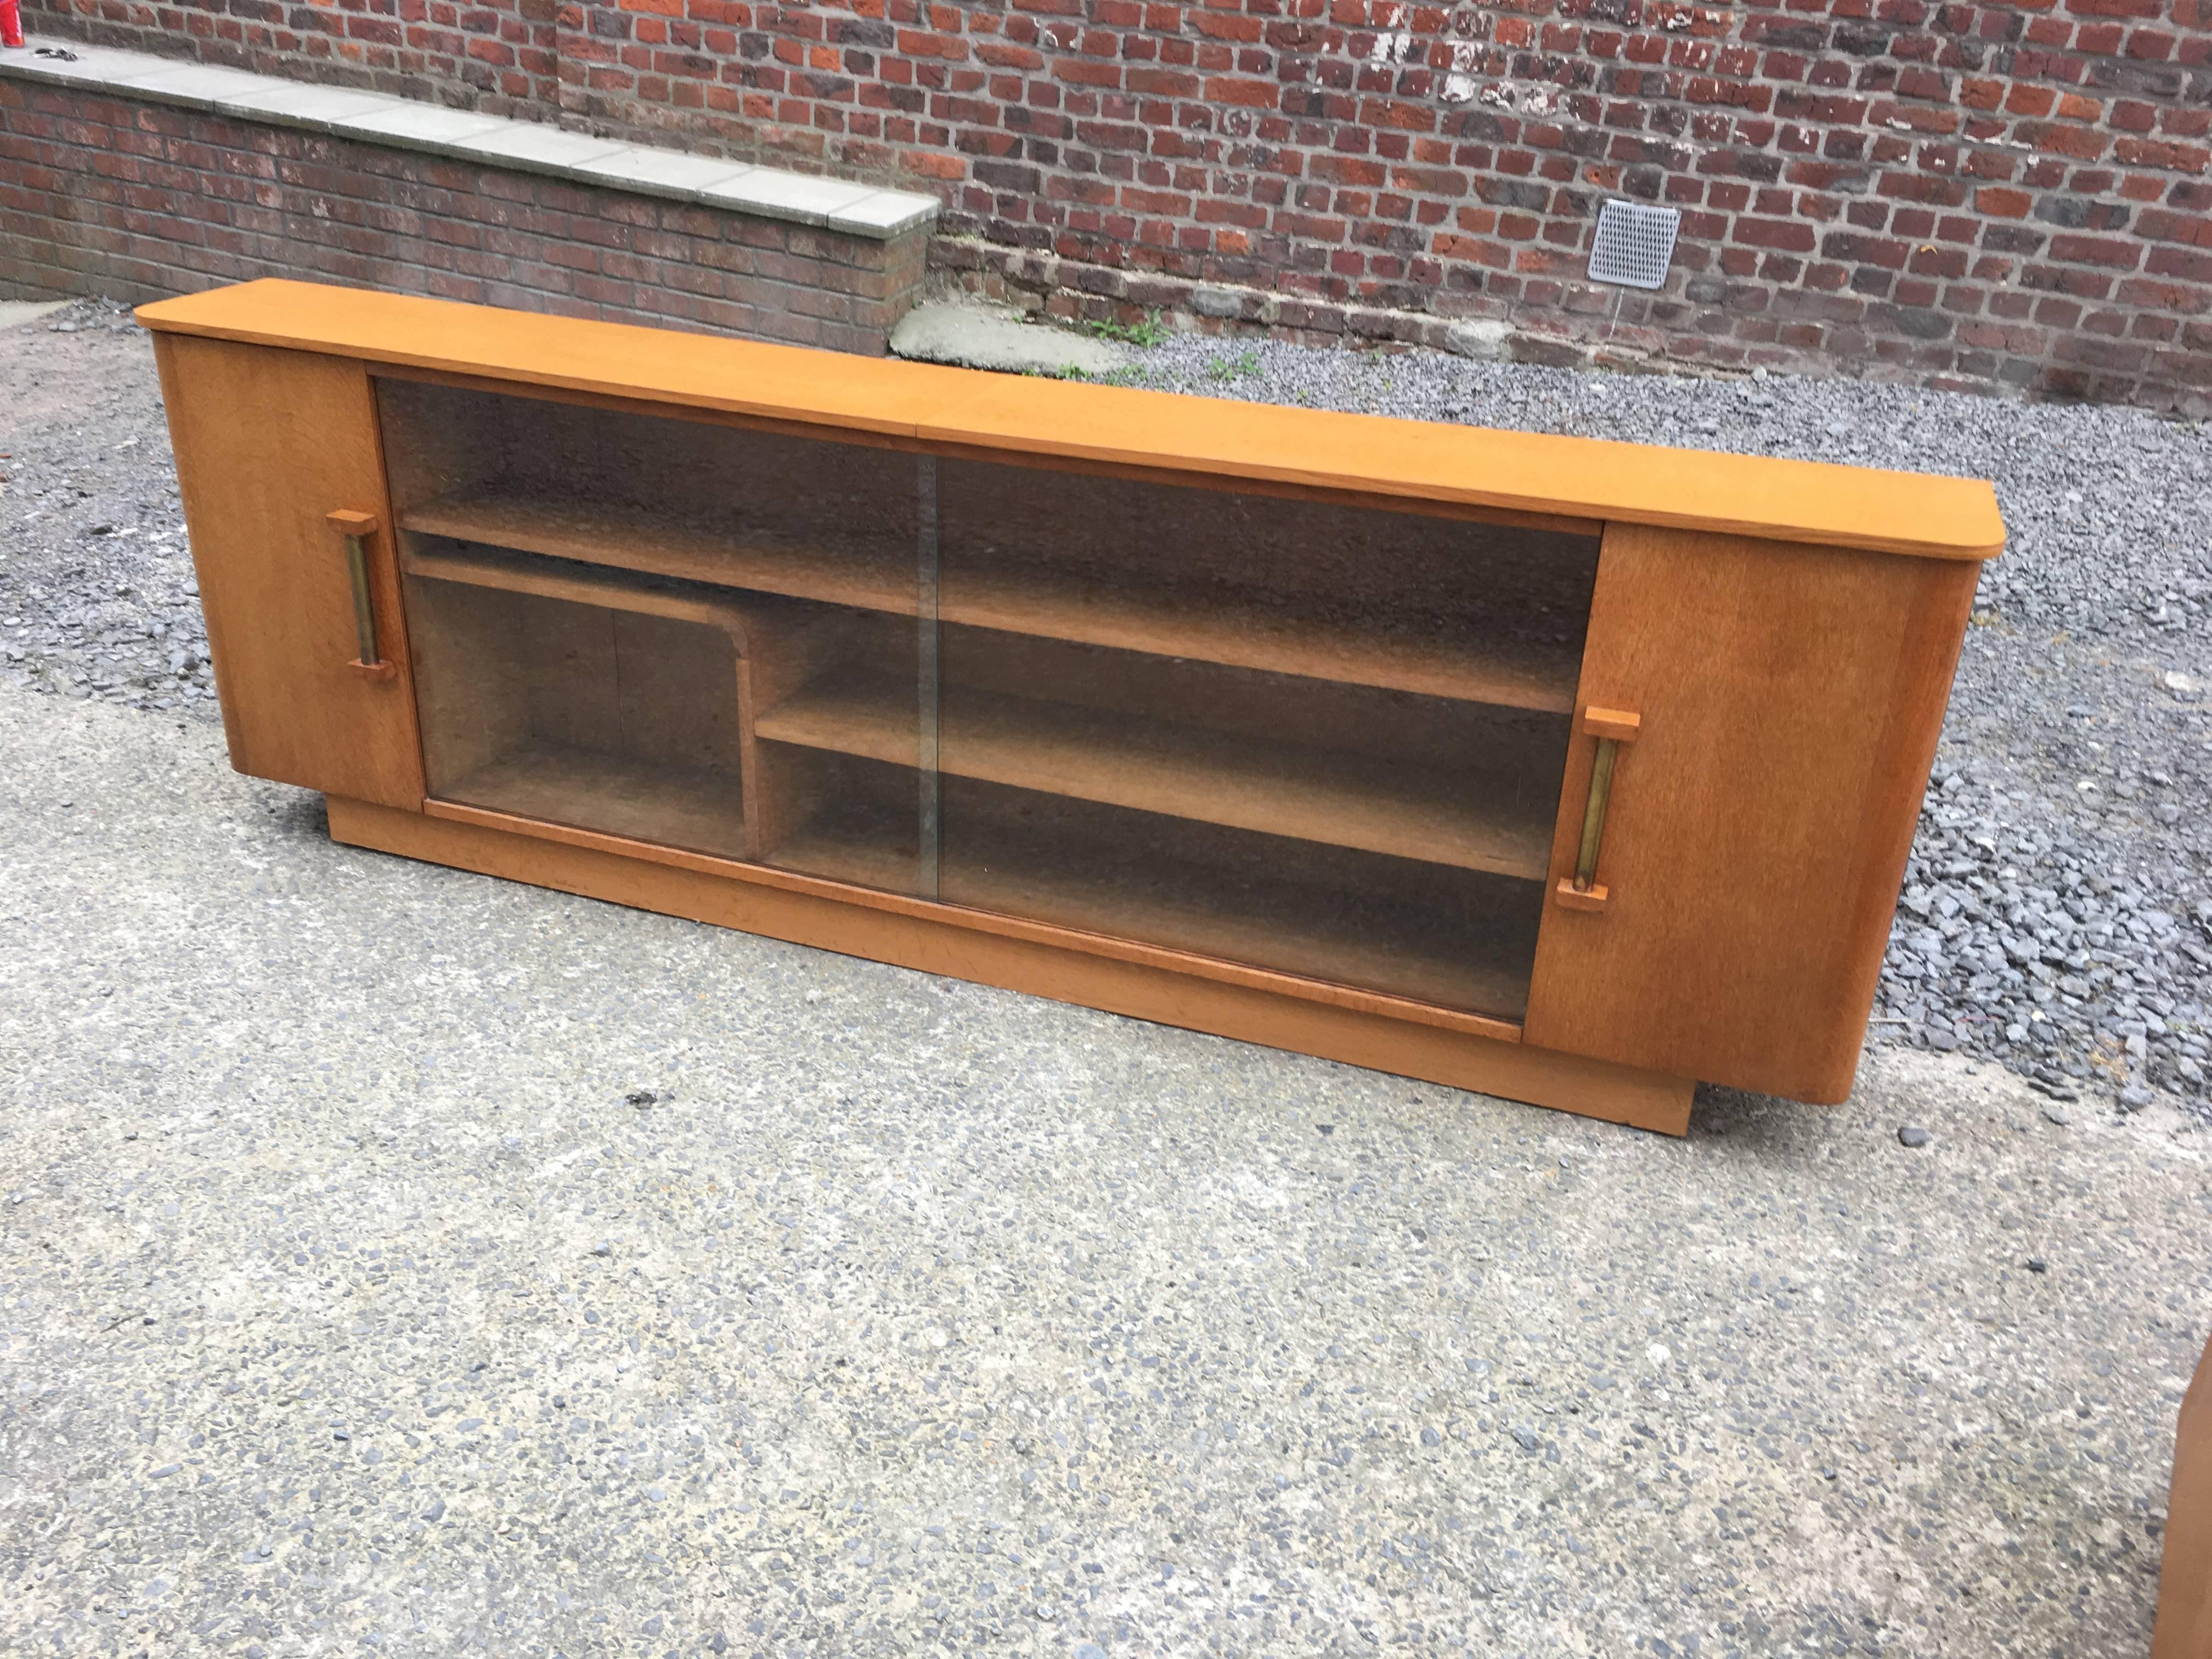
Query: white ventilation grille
pixel 1633 244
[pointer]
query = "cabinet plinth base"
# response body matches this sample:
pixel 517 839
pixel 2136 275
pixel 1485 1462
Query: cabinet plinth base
pixel 1569 1083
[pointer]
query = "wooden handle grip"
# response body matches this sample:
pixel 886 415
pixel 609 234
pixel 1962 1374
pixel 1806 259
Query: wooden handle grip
pixel 1611 728
pixel 1617 724
pixel 355 528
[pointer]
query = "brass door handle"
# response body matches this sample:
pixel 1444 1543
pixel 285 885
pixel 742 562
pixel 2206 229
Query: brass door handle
pixel 356 528
pixel 1611 728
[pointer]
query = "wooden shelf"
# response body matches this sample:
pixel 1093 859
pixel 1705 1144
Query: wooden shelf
pixel 1246 912
pixel 1399 654
pixel 578 584
pixel 614 794
pixel 1402 653
pixel 875 578
pixel 1182 771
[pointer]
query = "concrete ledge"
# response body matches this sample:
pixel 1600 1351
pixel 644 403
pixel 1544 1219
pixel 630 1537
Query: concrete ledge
pixel 835 204
pixel 109 192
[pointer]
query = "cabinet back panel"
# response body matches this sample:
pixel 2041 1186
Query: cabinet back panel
pixel 1399 599
pixel 471 677
pixel 1262 706
pixel 655 472
pixel 579 714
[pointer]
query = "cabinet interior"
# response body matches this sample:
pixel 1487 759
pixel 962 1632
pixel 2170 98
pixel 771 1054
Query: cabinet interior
pixel 1315 738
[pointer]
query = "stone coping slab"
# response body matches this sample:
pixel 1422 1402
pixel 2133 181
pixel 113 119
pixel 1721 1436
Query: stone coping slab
pixel 835 204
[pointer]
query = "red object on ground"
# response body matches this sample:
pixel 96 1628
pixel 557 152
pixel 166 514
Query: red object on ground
pixel 11 23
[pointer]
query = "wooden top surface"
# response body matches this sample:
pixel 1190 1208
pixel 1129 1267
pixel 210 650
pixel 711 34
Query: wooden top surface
pixel 1907 513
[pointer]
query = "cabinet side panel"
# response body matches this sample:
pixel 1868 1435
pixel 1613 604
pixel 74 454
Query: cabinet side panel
pixel 268 443
pixel 1790 699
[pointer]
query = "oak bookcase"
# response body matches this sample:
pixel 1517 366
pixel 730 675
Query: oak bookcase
pixel 1568 771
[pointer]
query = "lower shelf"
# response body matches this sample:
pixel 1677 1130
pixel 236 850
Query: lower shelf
pixel 1457 940
pixel 1470 819
pixel 614 794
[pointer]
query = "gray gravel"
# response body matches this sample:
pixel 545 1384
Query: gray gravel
pixel 97 598
pixel 2057 910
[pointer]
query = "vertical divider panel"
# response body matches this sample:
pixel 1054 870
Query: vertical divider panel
pixel 779 787
pixel 749 763
pixel 926 688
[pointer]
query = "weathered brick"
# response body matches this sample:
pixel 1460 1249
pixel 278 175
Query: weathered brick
pixel 1792 234
pixel 2096 251
pixel 396 219
pixel 1372 165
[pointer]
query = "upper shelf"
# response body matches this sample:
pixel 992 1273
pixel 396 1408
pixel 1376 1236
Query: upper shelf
pixel 613 533
pixel 1400 653
pixel 1414 461
pixel 610 590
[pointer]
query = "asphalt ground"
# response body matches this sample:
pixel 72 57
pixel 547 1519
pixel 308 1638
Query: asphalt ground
pixel 353 1297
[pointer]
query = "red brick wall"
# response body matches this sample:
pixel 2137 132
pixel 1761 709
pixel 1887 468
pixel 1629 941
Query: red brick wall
pixel 2013 196
pixel 104 195
pixel 499 55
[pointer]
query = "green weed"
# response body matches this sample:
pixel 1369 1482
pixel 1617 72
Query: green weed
pixel 1245 364
pixel 1148 334
pixel 1128 374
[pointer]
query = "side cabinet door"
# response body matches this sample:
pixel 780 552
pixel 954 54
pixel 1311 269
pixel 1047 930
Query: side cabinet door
pixel 1788 700
pixel 268 444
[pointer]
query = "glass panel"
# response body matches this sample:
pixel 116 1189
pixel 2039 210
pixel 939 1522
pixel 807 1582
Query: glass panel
pixel 666 629
pixel 578 713
pixel 1316 738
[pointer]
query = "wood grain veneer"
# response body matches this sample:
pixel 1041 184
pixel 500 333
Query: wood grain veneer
pixel 268 444
pixel 1789 701
pixel 2184 1580
pixel 1580 478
